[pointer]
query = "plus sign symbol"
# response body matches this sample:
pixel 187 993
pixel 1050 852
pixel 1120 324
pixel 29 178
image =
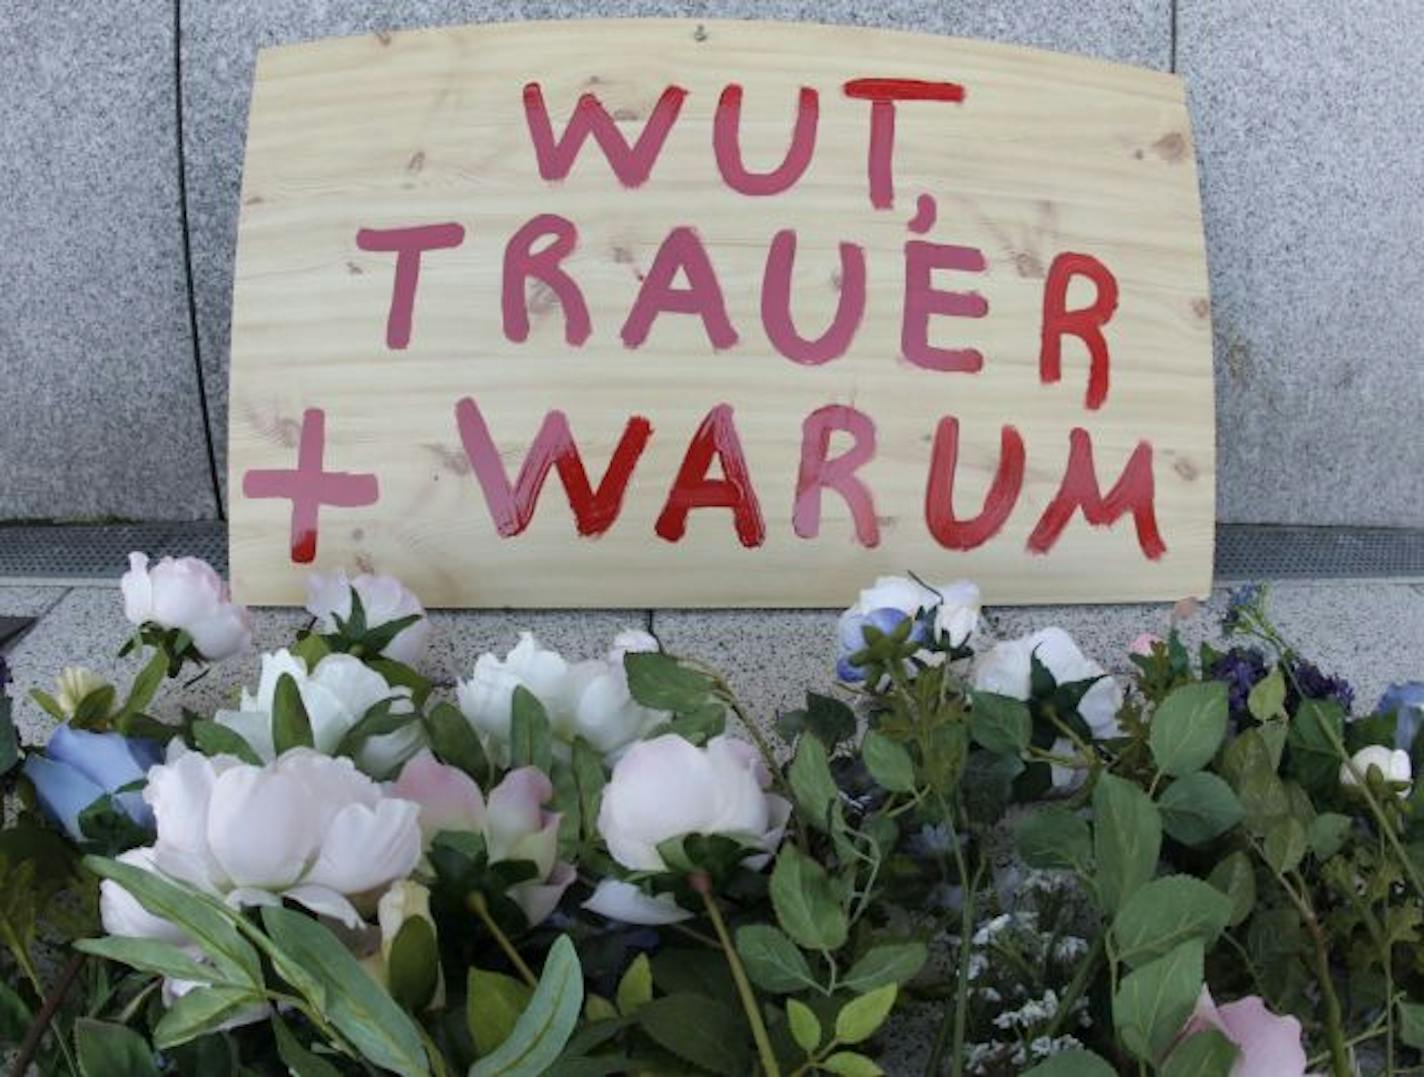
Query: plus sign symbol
pixel 308 487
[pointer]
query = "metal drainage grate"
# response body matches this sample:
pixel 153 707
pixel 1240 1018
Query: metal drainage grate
pixel 89 553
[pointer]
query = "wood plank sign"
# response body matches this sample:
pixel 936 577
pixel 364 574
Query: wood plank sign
pixel 628 313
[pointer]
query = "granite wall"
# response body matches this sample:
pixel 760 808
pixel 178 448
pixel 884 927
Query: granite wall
pixel 121 133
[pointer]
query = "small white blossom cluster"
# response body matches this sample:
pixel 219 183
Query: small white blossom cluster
pixel 1020 961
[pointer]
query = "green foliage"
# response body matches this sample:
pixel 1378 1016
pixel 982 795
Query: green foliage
pixel 1072 1064
pixel 1188 726
pixel 1154 1001
pixel 861 1017
pixel 109 1050
pixel 291 725
pixel 806 903
pixel 999 724
pixel 772 960
pixel 1127 837
pixel 888 762
pixel 1165 913
pixel 1202 1054
pixel 544 1027
pixel 1199 808
pixel 1054 838
pixel 698 1030
pixel 493 1003
pixel 531 741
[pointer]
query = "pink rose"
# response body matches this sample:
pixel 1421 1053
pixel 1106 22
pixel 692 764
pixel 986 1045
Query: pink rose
pixel 1144 643
pixel 513 822
pixel 186 594
pixel 1269 1044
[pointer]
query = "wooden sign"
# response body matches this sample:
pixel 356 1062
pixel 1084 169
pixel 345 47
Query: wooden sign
pixel 668 313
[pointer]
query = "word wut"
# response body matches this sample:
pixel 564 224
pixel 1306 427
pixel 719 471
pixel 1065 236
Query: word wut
pixel 682 280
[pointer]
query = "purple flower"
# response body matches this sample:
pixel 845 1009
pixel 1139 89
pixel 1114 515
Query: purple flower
pixel 885 620
pixel 1311 683
pixel 1241 668
pixel 78 767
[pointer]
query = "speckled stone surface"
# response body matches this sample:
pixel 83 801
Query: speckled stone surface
pixel 86 626
pixel 221 38
pixel 99 392
pixel 1313 182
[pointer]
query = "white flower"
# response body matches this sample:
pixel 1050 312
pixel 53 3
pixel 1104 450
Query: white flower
pixel 308 828
pixel 72 685
pixel 186 594
pixel 1392 764
pixel 1007 669
pixel 336 693
pixel 667 787
pixel 891 599
pixel 383 599
pixel 586 699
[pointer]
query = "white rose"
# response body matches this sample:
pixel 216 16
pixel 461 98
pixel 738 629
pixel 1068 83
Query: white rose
pixel 383 599
pixel 626 903
pixel 667 787
pixel 336 693
pixel 1392 764
pixel 308 828
pixel 957 615
pixel 587 699
pixel 186 594
pixel 1006 670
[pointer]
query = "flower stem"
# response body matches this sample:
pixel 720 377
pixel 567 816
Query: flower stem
pixel 703 886
pixel 480 907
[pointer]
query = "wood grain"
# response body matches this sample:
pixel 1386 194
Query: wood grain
pixel 1047 154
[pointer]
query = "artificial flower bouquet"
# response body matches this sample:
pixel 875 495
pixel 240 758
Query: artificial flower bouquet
pixel 969 857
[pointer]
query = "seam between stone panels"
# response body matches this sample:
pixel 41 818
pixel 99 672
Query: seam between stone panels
pixel 188 257
pixel 1172 62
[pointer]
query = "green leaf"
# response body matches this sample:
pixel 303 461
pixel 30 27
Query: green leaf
pixel 1286 843
pixel 805 1026
pixel 201 1011
pixel 1188 726
pixel 298 1060
pixel 1072 1064
pixel 547 1022
pixel 1267 700
pixel 1054 838
pixel 1165 913
pixel 311 649
pixel 1001 724
pixel 355 1003
pixel 144 688
pixel 659 681
pixel 891 963
pixel 378 721
pixel 698 1030
pixel 1235 878
pixel 1202 1054
pixel 110 1050
pixel 149 955
pixel 1198 808
pixel 455 742
pixel 1411 1024
pixel 596 1008
pixel 862 1016
pixel 635 989
pixel 829 719
pixel 805 901
pixel 413 968
pixel 850 1064
pixel 94 709
pixel 208 926
pixel 1313 760
pixel 1153 1002
pixel 48 704
pixel 211 738
pixel 493 1003
pixel 589 778
pixel 888 762
pixel 1328 833
pixel 291 727
pixel 811 782
pixel 1126 840
pixel 530 738
pixel 772 960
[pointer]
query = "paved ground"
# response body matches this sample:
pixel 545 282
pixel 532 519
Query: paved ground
pixel 1370 632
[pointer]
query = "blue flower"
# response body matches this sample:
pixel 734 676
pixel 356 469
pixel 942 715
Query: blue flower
pixel 1407 702
pixel 884 620
pixel 1241 601
pixel 79 767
